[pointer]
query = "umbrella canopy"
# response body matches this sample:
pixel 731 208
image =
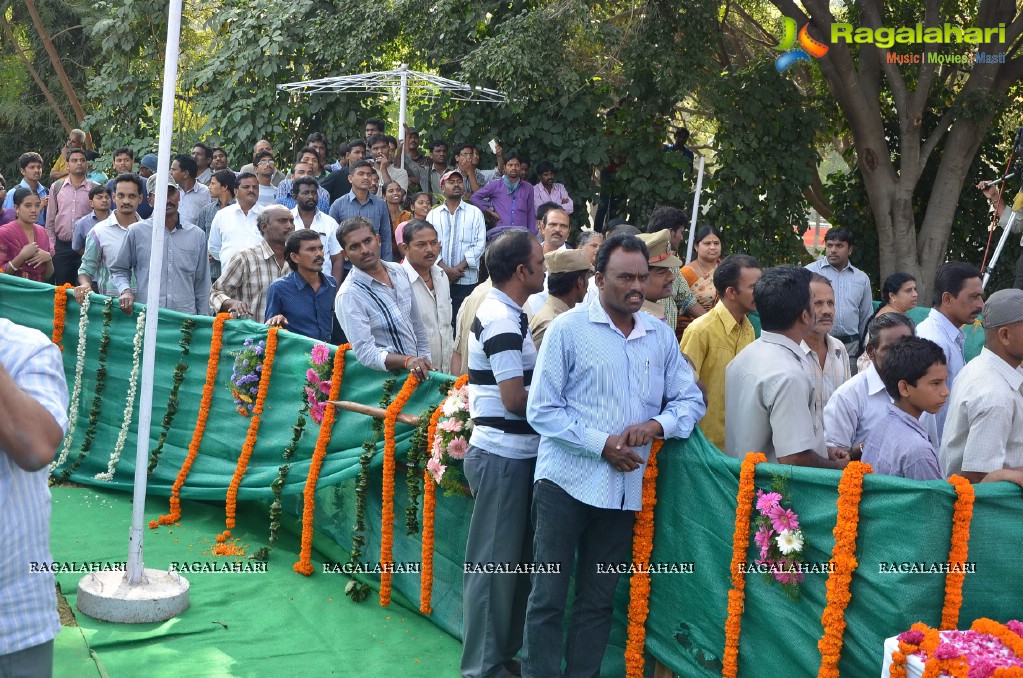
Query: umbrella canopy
pixel 402 79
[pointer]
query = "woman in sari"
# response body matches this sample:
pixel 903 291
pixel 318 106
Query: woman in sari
pixel 25 249
pixel 394 196
pixel 699 272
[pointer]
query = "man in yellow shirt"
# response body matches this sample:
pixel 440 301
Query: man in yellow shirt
pixel 715 338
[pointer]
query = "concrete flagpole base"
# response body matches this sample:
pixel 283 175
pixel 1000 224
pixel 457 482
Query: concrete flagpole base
pixel 108 596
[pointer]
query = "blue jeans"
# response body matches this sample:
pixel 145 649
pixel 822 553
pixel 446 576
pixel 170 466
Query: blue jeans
pixel 562 526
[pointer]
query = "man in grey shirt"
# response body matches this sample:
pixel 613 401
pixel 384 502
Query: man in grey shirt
pixel 185 280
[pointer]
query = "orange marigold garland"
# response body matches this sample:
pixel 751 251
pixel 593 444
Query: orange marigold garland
pixel 843 562
pixel 426 578
pixel 429 510
pixel 914 639
pixel 1001 632
pixel 740 545
pixel 639 585
pixel 223 547
pixel 958 551
pixel 304 564
pixel 387 510
pixel 216 343
pixel 59 313
pixel 935 666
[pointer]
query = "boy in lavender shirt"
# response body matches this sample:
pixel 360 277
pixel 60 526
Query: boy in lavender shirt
pixel 914 373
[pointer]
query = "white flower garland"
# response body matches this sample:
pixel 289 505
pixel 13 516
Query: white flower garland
pixel 76 393
pixel 129 405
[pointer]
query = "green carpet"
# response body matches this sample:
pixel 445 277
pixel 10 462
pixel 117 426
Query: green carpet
pixel 274 623
pixel 72 657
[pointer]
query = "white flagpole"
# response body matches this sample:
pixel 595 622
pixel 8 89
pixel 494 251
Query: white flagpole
pixel 140 595
pixel 136 568
pixel 696 208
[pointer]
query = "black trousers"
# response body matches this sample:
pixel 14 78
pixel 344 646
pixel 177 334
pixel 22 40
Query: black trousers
pixel 65 263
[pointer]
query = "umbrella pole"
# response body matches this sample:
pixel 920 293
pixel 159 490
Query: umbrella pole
pixel 696 208
pixel 402 101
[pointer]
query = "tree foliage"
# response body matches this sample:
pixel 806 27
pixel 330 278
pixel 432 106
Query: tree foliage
pixel 27 120
pixel 766 156
pixel 941 112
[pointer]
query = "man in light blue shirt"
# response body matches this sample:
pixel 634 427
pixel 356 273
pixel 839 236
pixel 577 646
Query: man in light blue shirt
pixel 608 380
pixel 33 402
pixel 359 202
pixel 853 303
pixel 30 165
pixel 958 300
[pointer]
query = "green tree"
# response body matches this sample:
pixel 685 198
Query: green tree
pixel 31 120
pixel 943 111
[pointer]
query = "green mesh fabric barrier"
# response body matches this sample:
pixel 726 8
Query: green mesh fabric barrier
pixel 901 521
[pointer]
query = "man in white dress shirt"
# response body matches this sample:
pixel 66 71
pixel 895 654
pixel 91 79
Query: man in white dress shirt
pixel 234 228
pixel 860 404
pixel 430 286
pixel 462 234
pixel 958 299
pixel 306 191
pixel 984 430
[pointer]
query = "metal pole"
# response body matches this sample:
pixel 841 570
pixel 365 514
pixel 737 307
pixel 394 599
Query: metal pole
pixel 696 207
pixel 136 568
pixel 401 113
pixel 990 268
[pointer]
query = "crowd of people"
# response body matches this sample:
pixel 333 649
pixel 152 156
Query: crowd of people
pixel 578 353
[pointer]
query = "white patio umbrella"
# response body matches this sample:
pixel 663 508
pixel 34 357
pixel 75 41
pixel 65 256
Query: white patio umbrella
pixel 401 80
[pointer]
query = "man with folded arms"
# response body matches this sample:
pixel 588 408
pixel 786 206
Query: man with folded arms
pixel 608 380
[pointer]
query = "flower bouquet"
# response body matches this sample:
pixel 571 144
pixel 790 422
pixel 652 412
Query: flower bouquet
pixel 244 384
pixel 317 382
pixel 987 650
pixel 451 441
pixel 779 538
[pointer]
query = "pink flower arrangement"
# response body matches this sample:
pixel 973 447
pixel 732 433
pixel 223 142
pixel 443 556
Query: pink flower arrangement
pixel 317 379
pixel 984 653
pixel 779 539
pixel 436 469
pixel 451 441
pixel 320 354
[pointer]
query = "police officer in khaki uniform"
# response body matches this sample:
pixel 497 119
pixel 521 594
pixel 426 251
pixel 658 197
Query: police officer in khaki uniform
pixel 568 273
pixel 662 262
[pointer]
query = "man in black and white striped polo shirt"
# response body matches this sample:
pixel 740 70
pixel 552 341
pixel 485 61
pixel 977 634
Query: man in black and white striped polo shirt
pixel 500 460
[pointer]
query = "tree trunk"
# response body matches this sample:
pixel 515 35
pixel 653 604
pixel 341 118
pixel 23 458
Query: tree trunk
pixel 857 89
pixel 69 91
pixel 9 34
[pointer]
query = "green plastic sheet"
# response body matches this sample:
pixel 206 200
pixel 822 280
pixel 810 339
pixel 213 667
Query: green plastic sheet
pixel 901 520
